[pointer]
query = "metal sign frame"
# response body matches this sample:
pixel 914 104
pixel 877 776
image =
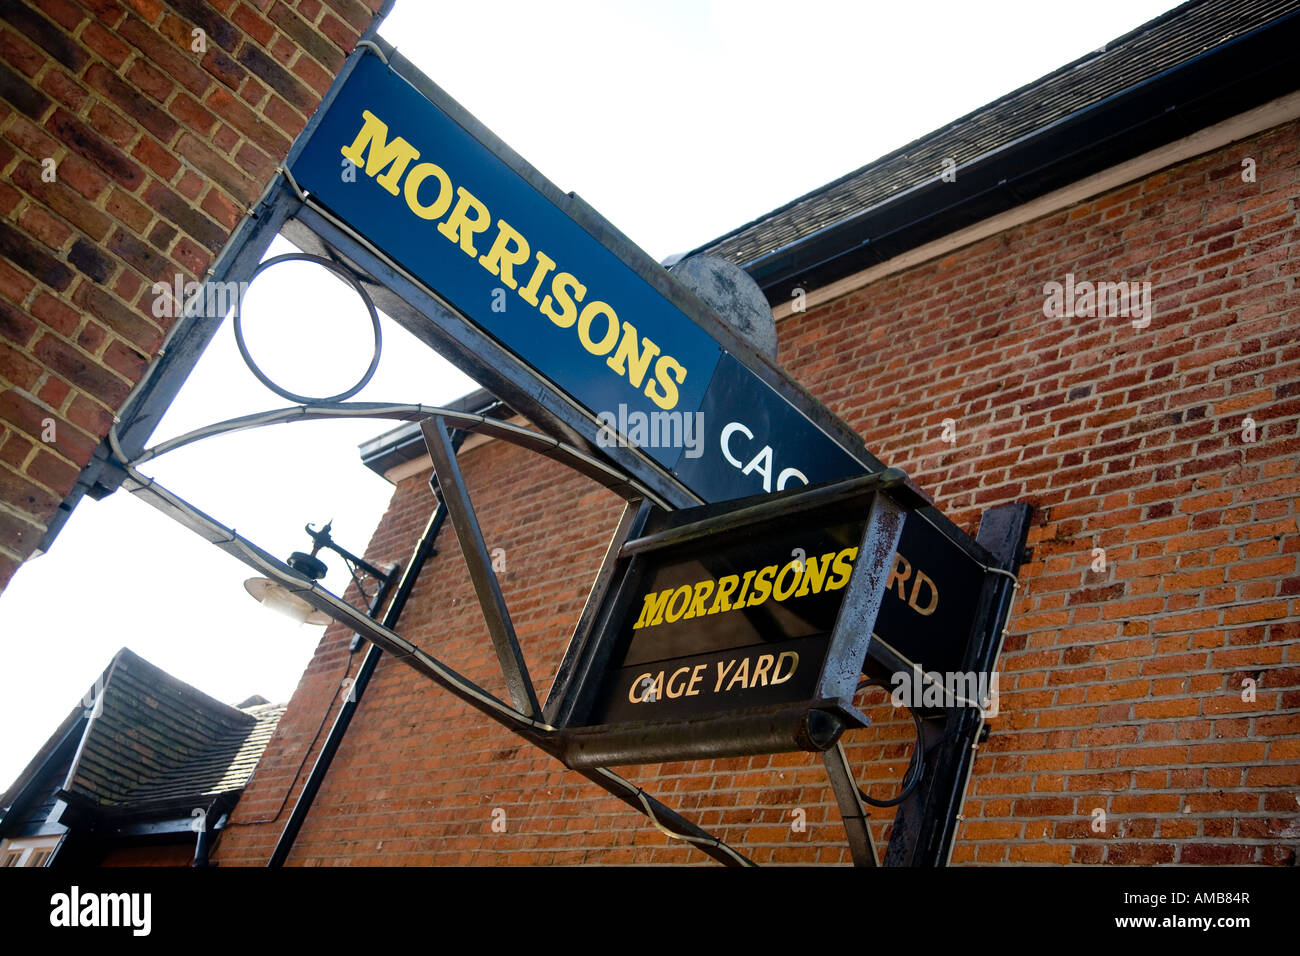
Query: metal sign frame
pixel 286 209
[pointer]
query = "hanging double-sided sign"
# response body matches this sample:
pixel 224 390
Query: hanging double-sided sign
pixel 464 220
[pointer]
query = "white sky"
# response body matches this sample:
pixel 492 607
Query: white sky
pixel 677 120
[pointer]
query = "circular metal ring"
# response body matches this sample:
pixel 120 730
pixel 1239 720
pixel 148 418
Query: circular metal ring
pixel 343 273
pixel 915 766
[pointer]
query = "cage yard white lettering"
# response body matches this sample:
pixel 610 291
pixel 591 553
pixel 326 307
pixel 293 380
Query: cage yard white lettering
pixel 718 677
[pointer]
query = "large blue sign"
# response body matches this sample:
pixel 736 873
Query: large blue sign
pixel 420 187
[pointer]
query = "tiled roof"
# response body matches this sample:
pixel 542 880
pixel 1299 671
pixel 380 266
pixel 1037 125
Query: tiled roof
pixel 224 766
pixel 154 742
pixel 1152 48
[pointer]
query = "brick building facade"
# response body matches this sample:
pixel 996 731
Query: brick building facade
pixel 1150 687
pixel 134 135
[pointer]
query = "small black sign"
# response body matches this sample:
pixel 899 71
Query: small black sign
pixel 740 628
pixel 731 615
pixel 930 599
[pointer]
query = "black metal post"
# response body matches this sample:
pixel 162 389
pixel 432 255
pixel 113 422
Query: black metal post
pixel 495 613
pixel 926 822
pixel 852 810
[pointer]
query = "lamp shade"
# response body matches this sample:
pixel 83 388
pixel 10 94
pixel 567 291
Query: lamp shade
pixel 273 595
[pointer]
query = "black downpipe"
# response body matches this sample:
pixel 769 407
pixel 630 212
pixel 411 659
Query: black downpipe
pixel 207 826
pixel 423 551
pixel 202 847
pixel 331 745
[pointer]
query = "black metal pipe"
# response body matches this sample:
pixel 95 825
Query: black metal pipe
pixel 326 756
pixel 423 551
pixel 207 825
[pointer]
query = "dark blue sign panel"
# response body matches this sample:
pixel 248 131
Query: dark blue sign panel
pixel 755 441
pixel 420 187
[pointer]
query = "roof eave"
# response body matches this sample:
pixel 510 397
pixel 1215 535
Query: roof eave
pixel 1224 81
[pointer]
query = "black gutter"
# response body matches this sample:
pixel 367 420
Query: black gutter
pixel 423 551
pixel 1224 81
pixel 207 825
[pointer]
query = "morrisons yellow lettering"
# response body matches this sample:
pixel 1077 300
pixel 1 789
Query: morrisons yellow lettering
pixel 722 600
pixel 468 218
pixel 702 591
pixel 606 325
pixel 433 210
pixel 394 156
pixel 627 361
pixel 567 290
pixel 817 575
pixel 652 612
pixel 674 612
pixel 842 567
pixel 461 217
pixel 782 592
pixel 662 389
pixel 502 258
pixel 544 265
pixel 762 586
pixel 814 577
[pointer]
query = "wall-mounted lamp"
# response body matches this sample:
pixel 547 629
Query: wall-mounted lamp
pixel 276 597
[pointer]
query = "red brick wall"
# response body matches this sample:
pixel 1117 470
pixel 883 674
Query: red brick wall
pixel 158 149
pixel 1121 690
